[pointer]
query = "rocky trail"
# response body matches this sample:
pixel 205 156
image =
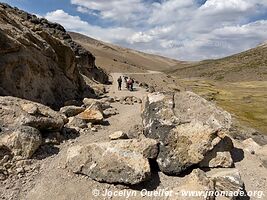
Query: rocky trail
pixel 48 177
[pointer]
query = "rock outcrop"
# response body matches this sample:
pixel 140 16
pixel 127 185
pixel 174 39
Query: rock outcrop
pixel 120 161
pixel 190 129
pixel 40 62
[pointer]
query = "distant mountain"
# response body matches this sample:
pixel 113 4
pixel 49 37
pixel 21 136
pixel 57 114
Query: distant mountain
pixel 250 65
pixel 117 59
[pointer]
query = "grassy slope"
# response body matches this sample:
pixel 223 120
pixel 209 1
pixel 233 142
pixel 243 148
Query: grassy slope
pixel 237 83
pixel 250 65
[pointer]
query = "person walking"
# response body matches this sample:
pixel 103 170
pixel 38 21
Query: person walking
pixel 119 83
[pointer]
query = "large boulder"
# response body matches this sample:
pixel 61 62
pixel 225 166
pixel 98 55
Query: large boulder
pixel 22 141
pixel 120 161
pixel 188 128
pixel 16 112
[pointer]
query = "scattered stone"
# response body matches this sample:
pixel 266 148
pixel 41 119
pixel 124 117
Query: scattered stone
pixel 143 84
pixel 151 89
pixel 71 111
pixel 75 122
pixel 52 138
pixel 88 102
pixel 119 161
pixel 130 100
pixel 118 135
pixel 92 114
pixel 94 129
pixel 110 111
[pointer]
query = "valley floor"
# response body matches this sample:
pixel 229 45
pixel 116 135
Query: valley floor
pixel 51 180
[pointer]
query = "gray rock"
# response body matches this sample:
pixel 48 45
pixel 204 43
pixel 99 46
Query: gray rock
pixel 23 141
pixel 118 135
pixel 75 122
pixel 119 161
pixel 71 111
pixel 16 112
pixel 220 155
pixel 110 111
pixel 228 180
pixel 187 131
pixel 92 114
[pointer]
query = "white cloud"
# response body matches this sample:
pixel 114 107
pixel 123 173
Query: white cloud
pixel 179 29
pixel 74 23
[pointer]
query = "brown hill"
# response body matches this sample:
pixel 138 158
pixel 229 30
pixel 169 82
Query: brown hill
pixel 250 65
pixel 117 59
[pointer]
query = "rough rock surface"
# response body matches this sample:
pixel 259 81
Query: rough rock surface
pixel 22 141
pixel 120 161
pixel 130 100
pixel 188 128
pixel 251 146
pixel 93 113
pixel 118 135
pixel 71 111
pixel 75 122
pixel 220 155
pixel 196 181
pixel 17 112
pixel 228 180
pixel 40 62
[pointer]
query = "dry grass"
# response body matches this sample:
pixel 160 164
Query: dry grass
pixel 245 100
pixel 246 66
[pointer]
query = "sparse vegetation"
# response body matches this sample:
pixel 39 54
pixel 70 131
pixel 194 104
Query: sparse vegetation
pixel 244 100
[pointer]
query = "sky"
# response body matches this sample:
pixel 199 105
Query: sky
pixel 180 29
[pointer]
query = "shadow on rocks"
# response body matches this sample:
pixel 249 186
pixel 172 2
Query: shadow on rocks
pixel 49 148
pixel 45 151
pixel 245 197
pixel 151 184
pixel 105 123
pixel 69 133
pixel 237 154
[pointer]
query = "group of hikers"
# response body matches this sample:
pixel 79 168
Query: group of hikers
pixel 128 82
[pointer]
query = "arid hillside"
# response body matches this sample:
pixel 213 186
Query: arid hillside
pixel 117 59
pixel 250 65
